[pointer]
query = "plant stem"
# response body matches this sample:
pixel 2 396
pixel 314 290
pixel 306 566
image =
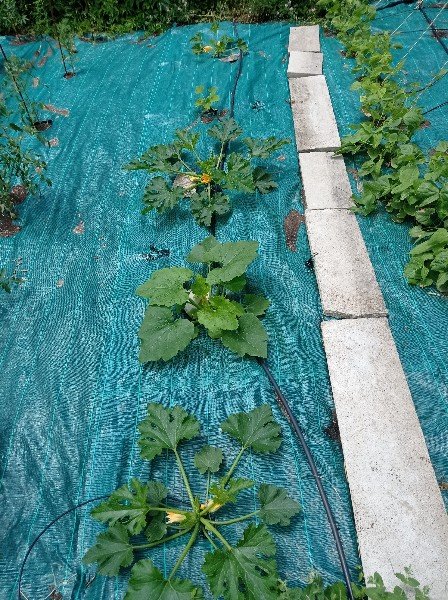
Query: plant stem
pixel 185 478
pixel 215 532
pixel 218 164
pixel 237 519
pixel 162 541
pixel 215 546
pixel 185 551
pixel 233 467
pixel 208 486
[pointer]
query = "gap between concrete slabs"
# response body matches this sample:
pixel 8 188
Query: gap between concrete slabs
pixel 399 513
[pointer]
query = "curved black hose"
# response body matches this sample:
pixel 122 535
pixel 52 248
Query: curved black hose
pixel 282 400
pixel 55 520
pixel 309 457
pixel 435 107
pixel 44 530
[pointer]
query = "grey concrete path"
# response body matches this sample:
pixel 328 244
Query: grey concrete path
pixel 399 512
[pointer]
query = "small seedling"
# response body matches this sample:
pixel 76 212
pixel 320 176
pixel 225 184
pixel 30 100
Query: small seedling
pixel 223 47
pixel 183 302
pixel 206 102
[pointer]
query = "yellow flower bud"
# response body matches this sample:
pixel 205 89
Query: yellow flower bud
pixel 205 178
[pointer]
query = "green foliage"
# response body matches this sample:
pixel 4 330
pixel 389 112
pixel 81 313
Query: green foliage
pixel 19 162
pixel 248 568
pixel 208 459
pixel 147 581
pixel 374 590
pixel 396 173
pixel 259 432
pixel 206 101
pixel 429 260
pixel 181 301
pixel 116 17
pixel 7 282
pixel 207 183
pixel 218 46
pixel 246 571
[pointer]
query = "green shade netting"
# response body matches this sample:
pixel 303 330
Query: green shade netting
pixel 73 390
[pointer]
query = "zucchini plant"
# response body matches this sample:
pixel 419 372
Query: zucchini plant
pixel 223 47
pixel 183 302
pixel 206 182
pixel 395 171
pixel 143 515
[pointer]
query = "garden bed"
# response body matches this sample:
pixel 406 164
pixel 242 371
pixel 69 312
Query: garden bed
pixel 76 390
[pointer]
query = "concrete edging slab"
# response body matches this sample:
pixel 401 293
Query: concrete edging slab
pixel 345 276
pixel 304 64
pixel 304 38
pixel 399 512
pixel 314 121
pixel 325 181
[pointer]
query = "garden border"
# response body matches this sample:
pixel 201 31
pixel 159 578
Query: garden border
pixel 398 508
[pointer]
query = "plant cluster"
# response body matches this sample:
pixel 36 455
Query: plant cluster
pixel 147 510
pixel 7 282
pixel 206 181
pixel 182 302
pixel 217 46
pixel 396 173
pixel 19 163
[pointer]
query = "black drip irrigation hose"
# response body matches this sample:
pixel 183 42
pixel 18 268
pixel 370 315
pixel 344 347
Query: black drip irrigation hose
pixel 20 595
pixel 426 112
pixel 41 533
pixel 284 405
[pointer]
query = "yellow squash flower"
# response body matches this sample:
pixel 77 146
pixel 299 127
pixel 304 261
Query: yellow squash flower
pixel 207 49
pixel 174 517
pixel 205 178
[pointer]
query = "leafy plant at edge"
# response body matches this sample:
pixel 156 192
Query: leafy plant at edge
pixel 395 170
pixel 215 45
pixel 139 517
pixel 19 164
pixel 182 302
pixel 206 181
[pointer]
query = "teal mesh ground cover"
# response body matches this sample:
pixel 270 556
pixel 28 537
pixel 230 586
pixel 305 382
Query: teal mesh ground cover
pixel 418 318
pixel 73 390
